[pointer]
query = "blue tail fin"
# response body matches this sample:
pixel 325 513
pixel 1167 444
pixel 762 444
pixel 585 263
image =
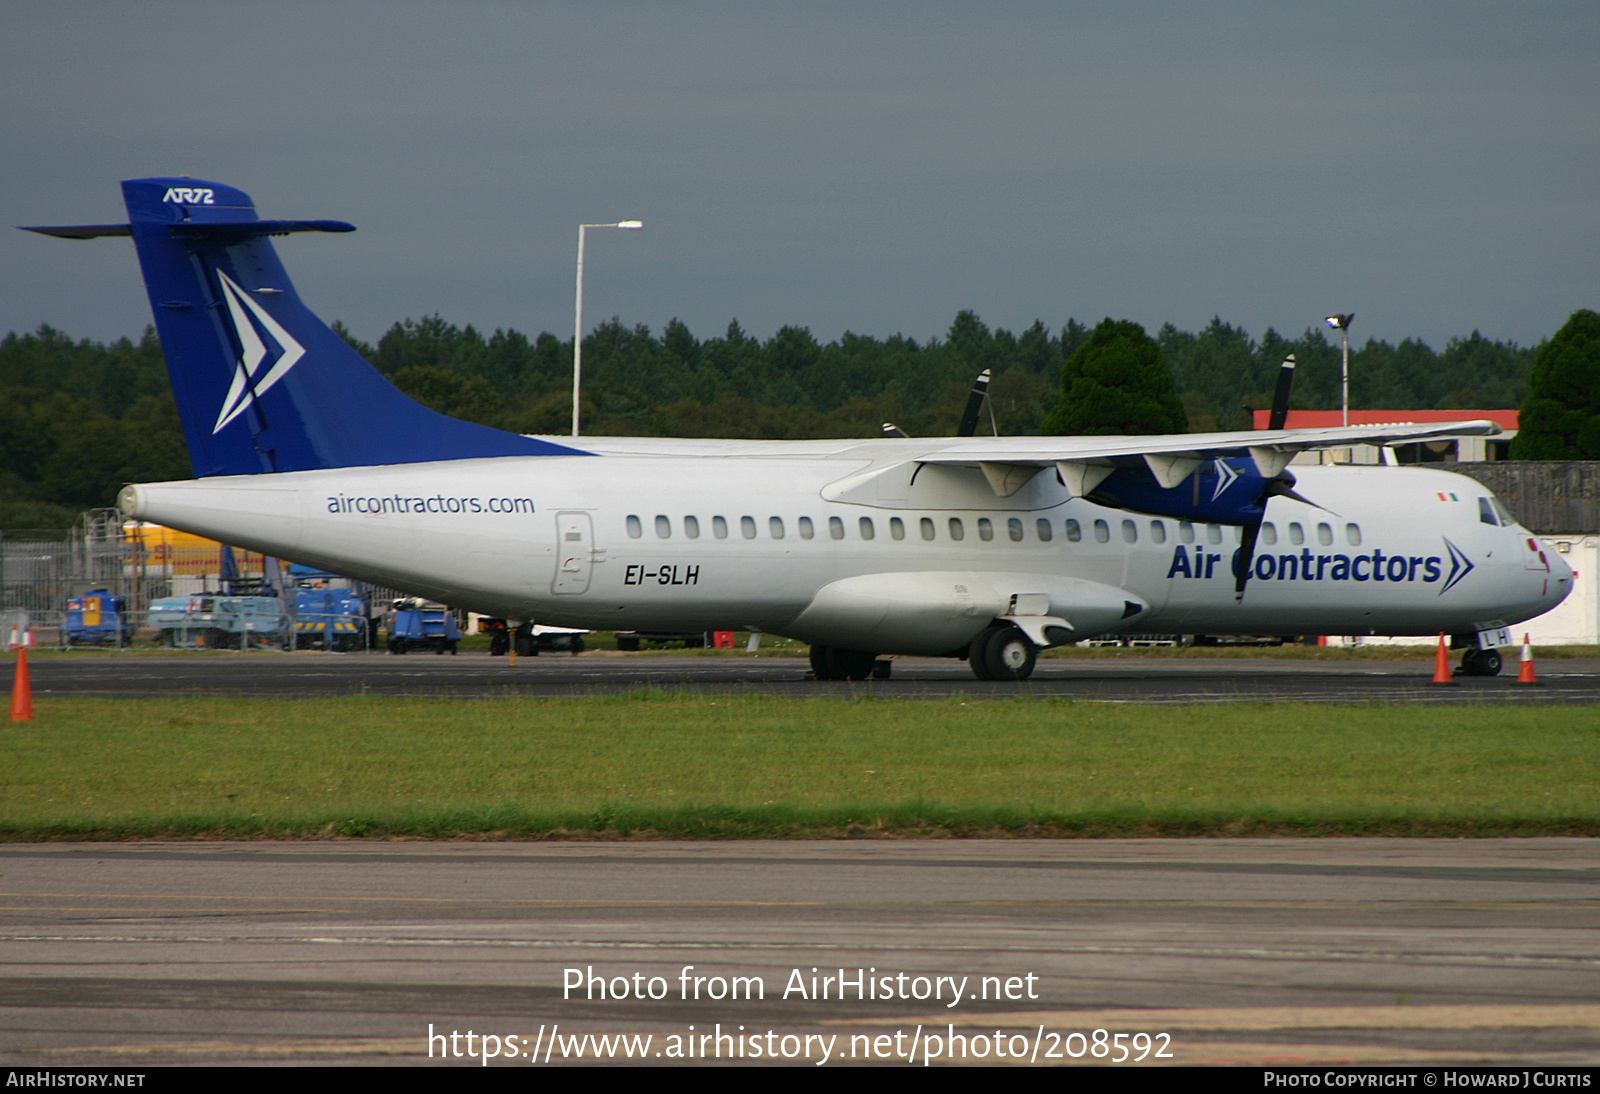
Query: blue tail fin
pixel 262 384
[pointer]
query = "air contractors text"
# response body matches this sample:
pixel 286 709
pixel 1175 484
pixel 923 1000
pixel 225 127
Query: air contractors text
pixel 438 503
pixel 1306 566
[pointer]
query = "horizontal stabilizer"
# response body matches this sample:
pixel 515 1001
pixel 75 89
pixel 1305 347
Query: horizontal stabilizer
pixel 81 231
pixel 235 231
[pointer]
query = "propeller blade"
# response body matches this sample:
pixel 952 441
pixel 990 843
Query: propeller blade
pixel 892 430
pixel 1280 394
pixel 969 417
pixel 1283 487
pixel 1245 559
pixel 1294 495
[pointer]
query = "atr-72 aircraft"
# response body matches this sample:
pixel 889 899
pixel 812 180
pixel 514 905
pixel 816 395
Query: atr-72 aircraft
pixel 987 549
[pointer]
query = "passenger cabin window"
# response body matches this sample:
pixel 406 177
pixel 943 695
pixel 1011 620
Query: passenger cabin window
pixel 1325 535
pixel 747 527
pixel 1130 532
pixel 958 531
pixel 1014 530
pixel 635 529
pixel 1158 531
pixel 985 529
pixel 807 529
pixel 1213 533
pixel 1352 532
pixel 1297 534
pixel 897 528
pixel 1269 534
pixel 835 528
pixel 1074 531
pixel 1185 531
pixel 691 527
pixel 1102 532
pixel 927 527
pixel 663 528
pixel 775 527
pixel 1044 528
pixel 719 527
pixel 867 530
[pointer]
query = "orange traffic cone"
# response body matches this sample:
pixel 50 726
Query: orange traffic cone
pixel 21 692
pixel 1441 665
pixel 1525 670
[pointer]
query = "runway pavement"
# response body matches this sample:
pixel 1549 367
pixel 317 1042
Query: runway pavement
pixel 1140 680
pixel 1237 951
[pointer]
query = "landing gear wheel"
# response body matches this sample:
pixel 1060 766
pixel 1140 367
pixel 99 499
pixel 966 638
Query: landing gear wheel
pixel 978 653
pixel 850 664
pixel 1481 663
pixel 577 644
pixel 819 662
pixel 833 663
pixel 1010 655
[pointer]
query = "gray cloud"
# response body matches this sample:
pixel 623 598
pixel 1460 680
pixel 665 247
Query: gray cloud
pixel 865 167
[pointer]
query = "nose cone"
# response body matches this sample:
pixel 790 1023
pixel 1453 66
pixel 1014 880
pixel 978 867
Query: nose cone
pixel 1561 578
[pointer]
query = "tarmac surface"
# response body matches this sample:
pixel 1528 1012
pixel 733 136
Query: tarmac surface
pixel 1281 952
pixel 477 675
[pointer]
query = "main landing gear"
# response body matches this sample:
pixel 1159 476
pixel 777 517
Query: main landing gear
pixel 1002 653
pixel 833 663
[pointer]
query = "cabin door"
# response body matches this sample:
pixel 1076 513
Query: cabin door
pixel 574 553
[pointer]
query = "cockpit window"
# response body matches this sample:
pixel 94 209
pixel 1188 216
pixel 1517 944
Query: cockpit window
pixel 1486 513
pixel 1506 518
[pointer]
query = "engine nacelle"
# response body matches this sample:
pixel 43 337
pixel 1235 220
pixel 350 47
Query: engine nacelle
pixel 1226 491
pixel 934 612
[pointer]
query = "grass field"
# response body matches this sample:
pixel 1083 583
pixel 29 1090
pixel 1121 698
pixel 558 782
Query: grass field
pixel 690 766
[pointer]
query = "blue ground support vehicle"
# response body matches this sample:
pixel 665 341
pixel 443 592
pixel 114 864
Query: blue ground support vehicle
pixel 332 618
pixel 220 622
pixel 96 618
pixel 417 624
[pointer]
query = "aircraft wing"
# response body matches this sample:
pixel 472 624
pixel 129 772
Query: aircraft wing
pixel 1042 451
pixel 1083 461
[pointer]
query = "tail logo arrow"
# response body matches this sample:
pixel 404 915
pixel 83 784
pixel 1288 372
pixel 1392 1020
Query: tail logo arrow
pixel 247 386
pixel 1225 478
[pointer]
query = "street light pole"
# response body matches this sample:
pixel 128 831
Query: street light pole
pixel 577 314
pixel 1341 323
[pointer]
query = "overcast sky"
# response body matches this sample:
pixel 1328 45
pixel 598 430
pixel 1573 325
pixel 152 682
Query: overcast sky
pixel 871 167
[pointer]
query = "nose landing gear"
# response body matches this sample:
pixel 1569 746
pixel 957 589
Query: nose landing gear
pixel 1476 662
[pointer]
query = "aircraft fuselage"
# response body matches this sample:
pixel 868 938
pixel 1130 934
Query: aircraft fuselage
pixel 661 542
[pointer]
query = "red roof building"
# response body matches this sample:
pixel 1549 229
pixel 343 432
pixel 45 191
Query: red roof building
pixel 1466 449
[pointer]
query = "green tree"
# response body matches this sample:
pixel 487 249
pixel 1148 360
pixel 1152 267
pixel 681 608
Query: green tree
pixel 1560 418
pixel 1117 383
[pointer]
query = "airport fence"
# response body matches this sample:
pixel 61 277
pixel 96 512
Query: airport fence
pixel 135 566
pixel 284 630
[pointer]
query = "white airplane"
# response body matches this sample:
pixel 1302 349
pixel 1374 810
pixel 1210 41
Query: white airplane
pixel 984 548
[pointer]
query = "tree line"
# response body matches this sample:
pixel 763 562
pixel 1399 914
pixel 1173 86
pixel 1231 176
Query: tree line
pixel 78 419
